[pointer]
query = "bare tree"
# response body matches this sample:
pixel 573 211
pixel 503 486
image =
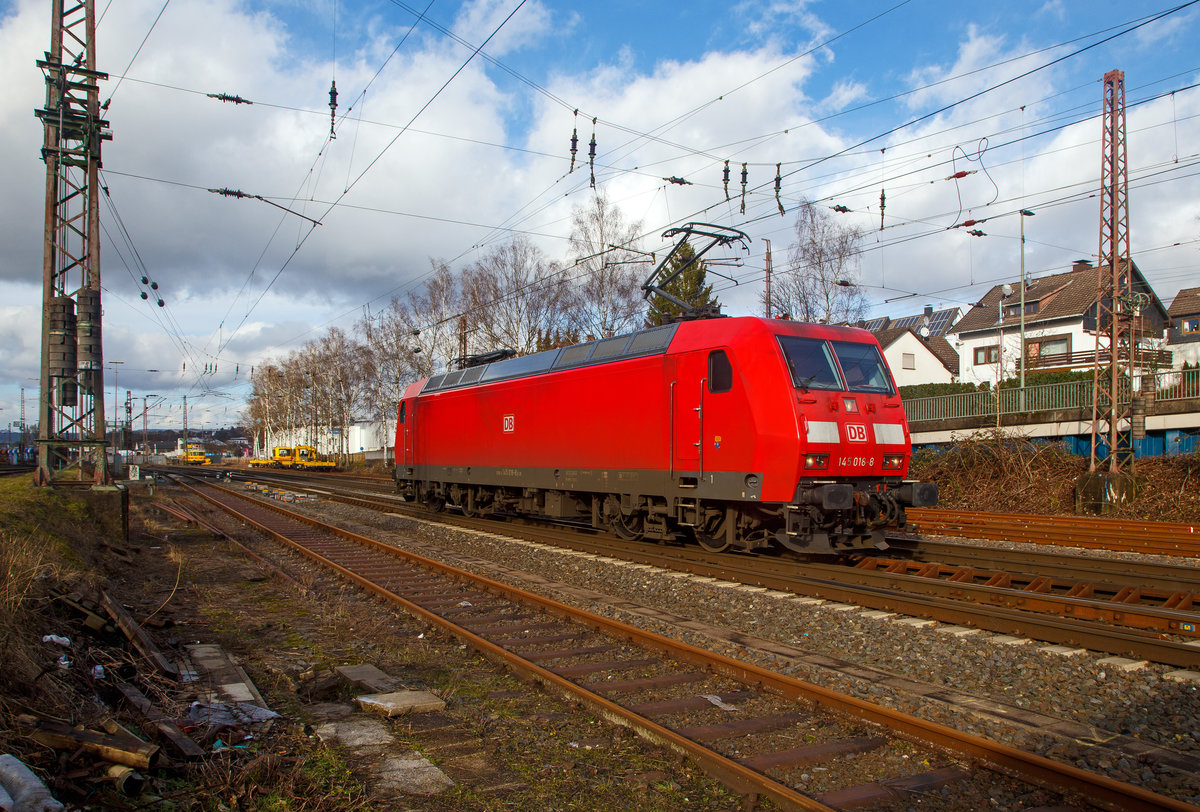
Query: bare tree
pixel 514 296
pixel 607 297
pixel 821 278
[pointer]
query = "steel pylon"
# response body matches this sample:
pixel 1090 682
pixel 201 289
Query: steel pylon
pixel 71 425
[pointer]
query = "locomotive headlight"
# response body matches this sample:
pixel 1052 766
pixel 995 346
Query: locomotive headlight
pixel 816 461
pixel 895 461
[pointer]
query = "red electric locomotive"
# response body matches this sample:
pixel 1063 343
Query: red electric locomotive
pixel 739 433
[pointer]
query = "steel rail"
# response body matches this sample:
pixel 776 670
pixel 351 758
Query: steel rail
pixel 1059 619
pixel 1176 577
pixel 737 776
pixel 1062 778
pixel 1160 538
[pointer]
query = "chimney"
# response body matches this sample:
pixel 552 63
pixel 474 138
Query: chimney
pixel 1081 265
pixel 928 311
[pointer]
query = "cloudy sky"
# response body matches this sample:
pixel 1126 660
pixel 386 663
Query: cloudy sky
pixel 442 152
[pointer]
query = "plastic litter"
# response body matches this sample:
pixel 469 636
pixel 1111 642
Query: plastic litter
pixel 230 714
pixel 57 640
pixel 26 790
pixel 720 703
pixel 64 663
pixel 97 672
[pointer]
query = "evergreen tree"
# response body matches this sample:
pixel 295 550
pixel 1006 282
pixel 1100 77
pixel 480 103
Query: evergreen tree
pixel 689 287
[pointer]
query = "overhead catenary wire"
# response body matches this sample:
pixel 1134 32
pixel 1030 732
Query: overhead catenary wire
pixel 382 152
pixel 508 230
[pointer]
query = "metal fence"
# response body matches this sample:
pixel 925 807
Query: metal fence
pixel 1052 397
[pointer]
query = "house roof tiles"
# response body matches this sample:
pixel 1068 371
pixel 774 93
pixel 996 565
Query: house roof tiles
pixel 1185 303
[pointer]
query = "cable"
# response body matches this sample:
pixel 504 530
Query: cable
pixel 117 87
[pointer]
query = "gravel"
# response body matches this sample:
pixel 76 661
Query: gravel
pixel 1133 711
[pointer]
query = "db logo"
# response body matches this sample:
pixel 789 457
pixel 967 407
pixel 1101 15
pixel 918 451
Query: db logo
pixel 856 432
pixel 510 423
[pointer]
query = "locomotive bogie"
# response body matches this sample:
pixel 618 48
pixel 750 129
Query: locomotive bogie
pixel 733 433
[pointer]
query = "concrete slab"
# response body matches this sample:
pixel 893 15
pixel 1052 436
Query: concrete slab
pixel 1122 663
pixel 1063 651
pixel 1183 676
pixel 917 622
pixel 369 678
pixel 398 703
pixel 1008 640
pixel 842 607
pixel 365 732
pixel 877 614
pixel 329 711
pixel 958 631
pixel 412 774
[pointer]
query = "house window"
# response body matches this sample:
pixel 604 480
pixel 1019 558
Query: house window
pixel 987 355
pixel 1015 309
pixel 908 360
pixel 1191 325
pixel 1058 345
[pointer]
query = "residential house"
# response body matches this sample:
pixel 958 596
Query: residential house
pixel 1183 334
pixel 1057 314
pixel 917 359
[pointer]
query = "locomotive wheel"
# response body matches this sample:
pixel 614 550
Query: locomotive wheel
pixel 711 535
pixel 434 504
pixel 627 527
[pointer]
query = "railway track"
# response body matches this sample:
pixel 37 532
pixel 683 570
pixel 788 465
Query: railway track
pixel 1158 538
pixel 760 732
pixel 1150 611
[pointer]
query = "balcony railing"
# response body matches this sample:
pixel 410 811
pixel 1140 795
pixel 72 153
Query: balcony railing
pixel 1146 359
pixel 1052 397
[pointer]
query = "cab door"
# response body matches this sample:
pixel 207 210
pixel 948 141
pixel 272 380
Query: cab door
pixel 687 379
pixel 405 425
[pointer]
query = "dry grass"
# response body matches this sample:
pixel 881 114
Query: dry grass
pixel 995 471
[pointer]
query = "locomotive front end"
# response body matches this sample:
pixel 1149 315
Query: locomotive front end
pixel 853 441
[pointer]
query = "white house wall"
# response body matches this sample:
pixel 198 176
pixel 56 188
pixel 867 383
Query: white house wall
pixel 970 372
pixel 927 367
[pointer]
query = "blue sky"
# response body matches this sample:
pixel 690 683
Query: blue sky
pixel 491 150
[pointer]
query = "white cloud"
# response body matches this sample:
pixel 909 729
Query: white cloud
pixel 443 186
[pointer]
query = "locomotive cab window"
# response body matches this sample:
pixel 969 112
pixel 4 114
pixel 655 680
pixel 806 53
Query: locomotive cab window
pixel 810 363
pixel 720 372
pixel 863 367
pixel 403 409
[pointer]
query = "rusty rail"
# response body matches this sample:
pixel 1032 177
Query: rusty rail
pixel 1090 532
pixel 1098 789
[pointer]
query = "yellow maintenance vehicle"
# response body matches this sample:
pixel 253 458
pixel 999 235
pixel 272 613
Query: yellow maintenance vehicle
pixel 194 454
pixel 300 457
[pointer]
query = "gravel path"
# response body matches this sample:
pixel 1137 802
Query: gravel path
pixel 1135 724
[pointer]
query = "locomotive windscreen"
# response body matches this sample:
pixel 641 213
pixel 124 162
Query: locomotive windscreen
pixel 812 366
pixel 863 367
pixel 810 362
